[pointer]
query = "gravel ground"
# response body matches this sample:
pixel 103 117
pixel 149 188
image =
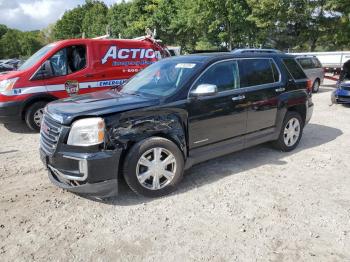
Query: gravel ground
pixel 254 205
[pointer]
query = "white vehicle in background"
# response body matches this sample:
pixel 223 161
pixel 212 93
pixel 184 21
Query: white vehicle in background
pixel 332 61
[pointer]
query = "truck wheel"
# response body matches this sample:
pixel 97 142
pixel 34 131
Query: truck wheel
pixel 316 86
pixel 34 114
pixel 154 167
pixel 291 132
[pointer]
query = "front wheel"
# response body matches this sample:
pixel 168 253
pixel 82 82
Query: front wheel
pixel 34 115
pixel 291 132
pixel 154 167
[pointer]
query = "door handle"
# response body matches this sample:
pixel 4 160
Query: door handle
pixel 89 75
pixel 238 98
pixel 280 89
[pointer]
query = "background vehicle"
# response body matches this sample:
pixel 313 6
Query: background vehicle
pixel 342 94
pixel 9 64
pixel 313 70
pixel 332 62
pixel 72 67
pixel 172 115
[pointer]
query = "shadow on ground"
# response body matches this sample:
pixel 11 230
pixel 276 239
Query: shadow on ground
pixel 19 128
pixel 206 173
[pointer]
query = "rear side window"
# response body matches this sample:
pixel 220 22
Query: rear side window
pixel 254 72
pixel 294 68
pixel 306 63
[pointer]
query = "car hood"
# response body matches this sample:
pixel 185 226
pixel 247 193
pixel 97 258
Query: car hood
pixel 97 104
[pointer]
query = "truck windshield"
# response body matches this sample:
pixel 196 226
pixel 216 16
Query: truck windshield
pixel 36 57
pixel 161 79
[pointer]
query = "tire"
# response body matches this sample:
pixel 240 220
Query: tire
pixel 140 160
pixel 316 86
pixel 32 115
pixel 281 143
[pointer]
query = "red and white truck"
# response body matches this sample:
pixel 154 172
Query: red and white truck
pixel 72 67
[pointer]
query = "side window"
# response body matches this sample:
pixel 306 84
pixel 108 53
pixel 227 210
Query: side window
pixel 224 75
pixel 276 73
pixel 294 68
pixel 317 63
pixel 306 63
pixel 59 63
pixel 68 60
pixel 255 72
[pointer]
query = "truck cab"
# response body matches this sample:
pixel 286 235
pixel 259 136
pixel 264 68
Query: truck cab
pixel 69 68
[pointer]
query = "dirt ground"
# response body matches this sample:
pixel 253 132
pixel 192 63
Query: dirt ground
pixel 255 205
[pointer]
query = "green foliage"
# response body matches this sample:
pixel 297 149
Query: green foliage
pixel 95 19
pixel 199 24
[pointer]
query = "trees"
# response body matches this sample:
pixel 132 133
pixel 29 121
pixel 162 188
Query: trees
pixel 95 19
pixel 70 25
pixel 200 24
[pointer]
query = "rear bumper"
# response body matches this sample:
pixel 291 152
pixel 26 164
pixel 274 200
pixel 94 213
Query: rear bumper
pixel 10 112
pixel 340 96
pixel 89 174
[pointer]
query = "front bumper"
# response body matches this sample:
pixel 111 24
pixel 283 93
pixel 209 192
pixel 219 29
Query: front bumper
pixel 10 112
pixel 340 96
pixel 89 174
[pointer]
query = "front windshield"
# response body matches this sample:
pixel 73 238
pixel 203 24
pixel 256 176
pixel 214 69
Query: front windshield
pixel 161 79
pixel 36 57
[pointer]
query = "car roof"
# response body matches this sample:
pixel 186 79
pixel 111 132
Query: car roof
pixel 212 57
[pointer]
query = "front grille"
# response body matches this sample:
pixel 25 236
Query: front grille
pixel 49 135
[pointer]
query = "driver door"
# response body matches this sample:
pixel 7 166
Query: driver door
pixel 223 116
pixel 68 68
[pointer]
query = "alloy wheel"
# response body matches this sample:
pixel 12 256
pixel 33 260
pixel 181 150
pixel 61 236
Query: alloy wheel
pixel 292 132
pixel 156 168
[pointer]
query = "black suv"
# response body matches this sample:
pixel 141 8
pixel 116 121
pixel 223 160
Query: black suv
pixel 172 115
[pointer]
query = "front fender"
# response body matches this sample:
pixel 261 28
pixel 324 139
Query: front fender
pixel 126 130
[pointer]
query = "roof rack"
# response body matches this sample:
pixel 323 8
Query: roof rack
pixel 256 50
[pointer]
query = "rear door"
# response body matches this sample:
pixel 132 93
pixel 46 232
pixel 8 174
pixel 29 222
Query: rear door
pixel 261 79
pixel 220 117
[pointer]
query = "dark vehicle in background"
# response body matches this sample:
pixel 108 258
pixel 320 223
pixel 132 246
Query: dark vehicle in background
pixel 313 70
pixel 174 114
pixel 9 64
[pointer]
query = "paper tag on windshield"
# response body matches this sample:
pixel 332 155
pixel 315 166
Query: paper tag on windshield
pixel 185 65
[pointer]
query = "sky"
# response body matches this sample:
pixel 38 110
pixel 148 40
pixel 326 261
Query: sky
pixel 29 15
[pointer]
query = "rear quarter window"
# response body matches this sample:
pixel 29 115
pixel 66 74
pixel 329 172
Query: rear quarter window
pixel 254 72
pixel 317 63
pixel 294 68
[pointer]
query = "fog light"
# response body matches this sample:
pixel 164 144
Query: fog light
pixel 83 167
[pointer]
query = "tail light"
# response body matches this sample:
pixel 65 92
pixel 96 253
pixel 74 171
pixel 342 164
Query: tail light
pixel 309 86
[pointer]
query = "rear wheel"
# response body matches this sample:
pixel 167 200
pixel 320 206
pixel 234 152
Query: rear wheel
pixel 34 114
pixel 291 132
pixel 316 86
pixel 154 167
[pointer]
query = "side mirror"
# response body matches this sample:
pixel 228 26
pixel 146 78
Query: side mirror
pixel 44 72
pixel 204 90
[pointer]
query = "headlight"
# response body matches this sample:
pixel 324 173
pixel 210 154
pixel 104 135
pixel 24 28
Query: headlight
pixel 87 132
pixel 7 84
